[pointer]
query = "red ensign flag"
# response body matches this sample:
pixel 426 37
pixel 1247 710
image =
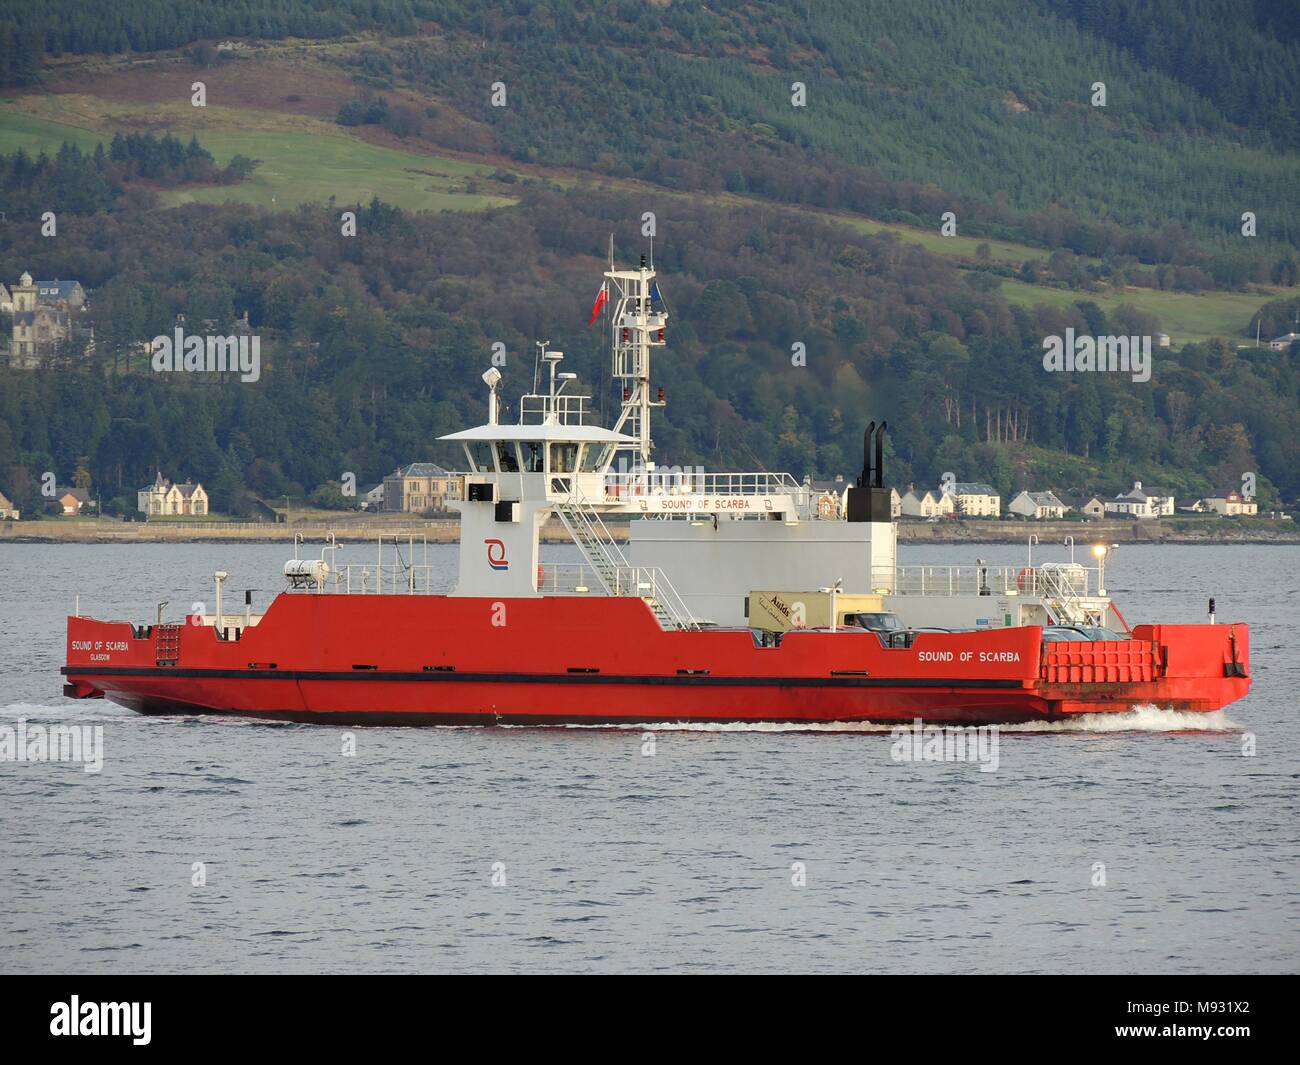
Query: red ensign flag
pixel 601 297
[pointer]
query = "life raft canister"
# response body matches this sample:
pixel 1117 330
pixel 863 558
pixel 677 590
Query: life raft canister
pixel 1025 576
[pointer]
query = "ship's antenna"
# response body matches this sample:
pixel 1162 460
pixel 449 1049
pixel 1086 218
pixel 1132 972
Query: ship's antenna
pixel 604 385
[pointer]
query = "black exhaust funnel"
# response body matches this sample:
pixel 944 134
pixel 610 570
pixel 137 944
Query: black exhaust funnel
pixel 869 498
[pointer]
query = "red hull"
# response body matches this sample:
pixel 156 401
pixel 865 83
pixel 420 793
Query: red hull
pixel 386 659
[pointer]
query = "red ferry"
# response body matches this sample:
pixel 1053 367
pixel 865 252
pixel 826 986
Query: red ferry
pixel 398 659
pixel 748 597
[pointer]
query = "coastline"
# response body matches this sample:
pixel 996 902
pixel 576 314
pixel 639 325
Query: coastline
pixel 446 531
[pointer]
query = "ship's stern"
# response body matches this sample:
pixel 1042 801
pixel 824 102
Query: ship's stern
pixel 1191 668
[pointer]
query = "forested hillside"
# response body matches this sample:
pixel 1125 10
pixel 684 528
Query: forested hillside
pixel 986 109
pixel 1249 73
pixel 759 134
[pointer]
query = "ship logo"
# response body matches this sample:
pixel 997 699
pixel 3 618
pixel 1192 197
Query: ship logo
pixel 496 554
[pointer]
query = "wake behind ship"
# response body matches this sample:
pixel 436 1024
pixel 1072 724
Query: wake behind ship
pixel 746 597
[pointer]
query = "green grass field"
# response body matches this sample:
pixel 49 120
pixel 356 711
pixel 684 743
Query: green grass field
pixel 1185 316
pixel 307 162
pixel 35 135
pixel 299 167
pixel 1001 251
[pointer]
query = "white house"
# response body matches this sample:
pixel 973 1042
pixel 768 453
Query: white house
pixel 7 510
pixel 1284 341
pixel 162 498
pixel 926 505
pixel 1229 504
pixel 1140 503
pixel 917 506
pixel 372 496
pixel 974 499
pixel 1037 505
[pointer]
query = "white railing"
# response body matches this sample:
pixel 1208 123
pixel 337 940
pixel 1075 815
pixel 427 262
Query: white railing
pixel 374 579
pixel 661 591
pixel 610 567
pixel 1055 582
pixel 687 481
pixel 568 578
pixel 568 410
pixel 643 582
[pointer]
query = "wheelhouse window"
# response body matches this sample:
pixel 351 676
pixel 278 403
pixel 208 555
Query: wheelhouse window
pixel 533 455
pixel 479 455
pixel 564 458
pixel 594 457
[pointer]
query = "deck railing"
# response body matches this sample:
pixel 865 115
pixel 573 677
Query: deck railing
pixel 643 582
pixel 563 578
pixel 569 410
pixel 688 481
pixel 1058 582
pixel 374 579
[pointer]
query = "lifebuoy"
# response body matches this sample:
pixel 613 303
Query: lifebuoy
pixel 825 507
pixel 1026 575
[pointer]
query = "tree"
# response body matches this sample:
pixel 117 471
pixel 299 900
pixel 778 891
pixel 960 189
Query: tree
pixel 81 477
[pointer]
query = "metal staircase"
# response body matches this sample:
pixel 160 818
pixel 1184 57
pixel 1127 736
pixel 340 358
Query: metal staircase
pixel 1062 597
pixel 616 575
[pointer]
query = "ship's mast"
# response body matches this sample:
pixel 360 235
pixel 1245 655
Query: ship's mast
pixel 636 327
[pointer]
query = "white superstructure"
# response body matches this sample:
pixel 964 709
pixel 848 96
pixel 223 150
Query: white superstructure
pixel 699 542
